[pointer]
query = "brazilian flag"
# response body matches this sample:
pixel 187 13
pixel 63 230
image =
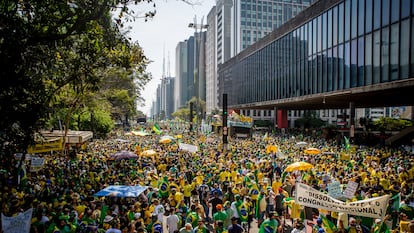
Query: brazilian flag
pixel 163 188
pixel 156 128
pixel 327 225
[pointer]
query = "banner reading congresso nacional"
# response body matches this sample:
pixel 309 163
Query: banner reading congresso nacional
pixel 372 208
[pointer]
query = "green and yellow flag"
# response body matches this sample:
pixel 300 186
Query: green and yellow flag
pixel 328 225
pixel 156 128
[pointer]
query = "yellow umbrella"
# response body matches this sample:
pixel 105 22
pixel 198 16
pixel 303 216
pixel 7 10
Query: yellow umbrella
pixel 312 151
pixel 148 153
pixel 298 166
pixel 165 140
pixel 139 133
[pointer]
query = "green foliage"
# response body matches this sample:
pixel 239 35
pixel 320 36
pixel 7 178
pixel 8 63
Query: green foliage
pixel 310 120
pixel 99 121
pixel 182 113
pixel 391 124
pixel 54 55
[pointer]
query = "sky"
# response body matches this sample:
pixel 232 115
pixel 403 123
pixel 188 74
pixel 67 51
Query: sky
pixel 159 36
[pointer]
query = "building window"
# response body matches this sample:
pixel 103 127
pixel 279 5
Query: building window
pixel 341 23
pixel 376 52
pixel 368 15
pixel 386 12
pixel 354 19
pixel 361 51
pixel 385 54
pixel 405 49
pixel 377 14
pixel 394 51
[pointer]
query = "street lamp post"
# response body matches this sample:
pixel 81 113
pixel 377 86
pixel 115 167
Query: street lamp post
pixel 198 85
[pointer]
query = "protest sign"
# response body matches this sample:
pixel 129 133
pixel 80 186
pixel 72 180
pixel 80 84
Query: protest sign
pixel 17 224
pixel 350 189
pixel 36 164
pixel 334 190
pixel 372 208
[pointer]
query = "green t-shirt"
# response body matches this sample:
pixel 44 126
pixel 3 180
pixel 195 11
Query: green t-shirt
pixel 220 216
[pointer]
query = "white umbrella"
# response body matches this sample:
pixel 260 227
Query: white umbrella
pixel 301 144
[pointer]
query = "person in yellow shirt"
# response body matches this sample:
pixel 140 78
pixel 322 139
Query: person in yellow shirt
pixel 187 189
pixel 277 183
pixel 384 182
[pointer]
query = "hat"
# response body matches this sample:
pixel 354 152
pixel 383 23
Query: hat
pixel 233 218
pixel 219 206
pixel 108 218
pixel 137 215
pixel 377 220
pixel 75 196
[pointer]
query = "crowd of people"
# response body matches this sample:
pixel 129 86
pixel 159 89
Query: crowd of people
pixel 241 187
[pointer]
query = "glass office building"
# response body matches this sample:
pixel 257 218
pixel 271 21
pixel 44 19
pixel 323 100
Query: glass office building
pixel 333 45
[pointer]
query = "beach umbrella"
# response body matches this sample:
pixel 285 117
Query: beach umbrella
pixel 312 151
pixel 301 144
pixel 165 140
pixel 123 155
pixel 298 166
pixel 167 137
pixel 148 153
pixel 140 133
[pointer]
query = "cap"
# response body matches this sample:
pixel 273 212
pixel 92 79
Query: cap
pixel 108 218
pixel 219 206
pixel 233 218
pixel 137 215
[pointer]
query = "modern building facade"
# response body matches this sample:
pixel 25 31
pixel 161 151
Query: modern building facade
pixel 333 47
pixel 253 20
pixel 181 76
pixel 211 62
pixel 167 97
pixel 237 24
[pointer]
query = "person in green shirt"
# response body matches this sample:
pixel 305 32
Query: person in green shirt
pixel 270 225
pixel 220 215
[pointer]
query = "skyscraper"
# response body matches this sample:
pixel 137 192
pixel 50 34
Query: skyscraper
pixel 236 24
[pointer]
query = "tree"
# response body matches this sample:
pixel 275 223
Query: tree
pixel 53 47
pixel 309 120
pixel 391 124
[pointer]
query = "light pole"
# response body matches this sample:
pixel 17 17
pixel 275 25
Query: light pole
pixel 198 85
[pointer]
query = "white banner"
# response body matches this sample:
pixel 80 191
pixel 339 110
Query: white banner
pixel 372 208
pixel 17 224
pixel 188 147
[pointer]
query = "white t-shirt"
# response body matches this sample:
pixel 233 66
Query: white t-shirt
pixel 172 223
pixel 159 211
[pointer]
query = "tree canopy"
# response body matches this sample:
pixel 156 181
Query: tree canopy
pixel 55 55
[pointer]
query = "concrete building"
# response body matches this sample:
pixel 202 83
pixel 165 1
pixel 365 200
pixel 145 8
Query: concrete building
pixel 235 25
pixel 181 76
pixel 337 54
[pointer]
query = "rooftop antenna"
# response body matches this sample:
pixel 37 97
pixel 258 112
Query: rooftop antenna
pixel 168 65
pixel 163 62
